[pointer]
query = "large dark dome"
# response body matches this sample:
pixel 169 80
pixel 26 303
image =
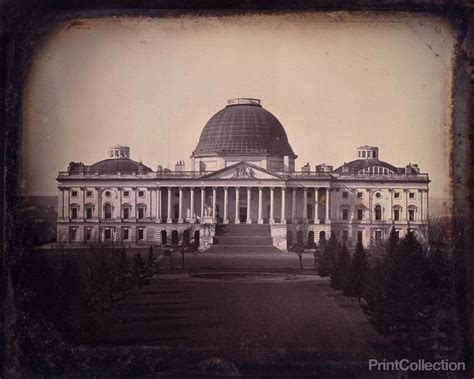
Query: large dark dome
pixel 243 128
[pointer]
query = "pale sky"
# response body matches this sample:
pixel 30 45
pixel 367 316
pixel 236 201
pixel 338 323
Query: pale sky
pixel 334 81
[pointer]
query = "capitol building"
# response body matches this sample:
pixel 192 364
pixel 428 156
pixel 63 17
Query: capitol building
pixel 243 180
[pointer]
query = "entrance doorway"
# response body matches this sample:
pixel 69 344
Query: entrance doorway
pixel 243 214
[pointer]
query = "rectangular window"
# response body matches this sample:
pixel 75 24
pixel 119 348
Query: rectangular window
pixel 88 234
pixel 141 234
pixel 345 235
pixel 89 212
pixel 411 214
pixel 107 234
pixel 72 234
pixel 141 213
pixel 378 235
pixel 396 214
pixel 360 214
pixel 412 195
pixel 89 194
pixel 363 154
pixel 126 193
pixel 125 234
pixel 74 213
pixel 359 195
pixel 397 234
pixel 345 214
pixel 345 195
pixel 74 193
pixel 141 193
pixel 126 213
pixel 369 154
pixel 359 236
pixel 397 195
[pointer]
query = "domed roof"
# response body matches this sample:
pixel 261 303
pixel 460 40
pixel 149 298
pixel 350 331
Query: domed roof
pixel 355 166
pixel 243 127
pixel 114 165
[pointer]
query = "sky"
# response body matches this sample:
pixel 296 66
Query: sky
pixel 335 81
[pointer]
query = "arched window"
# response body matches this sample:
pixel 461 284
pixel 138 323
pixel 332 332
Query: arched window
pixel 163 237
pixel 322 235
pixel 186 237
pixel 107 210
pixel 174 237
pixel 310 238
pixel 196 237
pixel 378 212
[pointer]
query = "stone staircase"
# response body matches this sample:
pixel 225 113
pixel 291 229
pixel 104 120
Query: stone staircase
pixel 241 238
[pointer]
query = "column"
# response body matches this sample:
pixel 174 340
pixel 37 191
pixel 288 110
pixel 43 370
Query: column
pixel 83 189
pixel 272 199
pixel 249 220
pixel 203 195
pixel 283 205
pixel 191 205
pixel 214 203
pixel 226 204
pixel 420 212
pixel 305 204
pixel 169 220
pixel 390 218
pixel 180 206
pixel 293 206
pixel 149 192
pixel 158 212
pixel 328 216
pixel 237 218
pixel 405 191
pixel 260 195
pixel 316 205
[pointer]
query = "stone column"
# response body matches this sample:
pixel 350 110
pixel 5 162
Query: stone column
pixel 293 206
pixel 159 214
pixel 83 189
pixel 405 191
pixel 328 216
pixel 390 218
pixel 316 205
pixel 283 205
pixel 191 205
pixel 214 203
pixel 420 212
pixel 305 204
pixel 180 206
pixel 249 220
pixel 203 195
pixel 260 195
pixel 169 220
pixel 272 199
pixel 237 218
pixel 226 204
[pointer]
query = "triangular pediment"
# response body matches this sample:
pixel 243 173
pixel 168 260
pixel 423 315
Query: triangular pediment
pixel 242 170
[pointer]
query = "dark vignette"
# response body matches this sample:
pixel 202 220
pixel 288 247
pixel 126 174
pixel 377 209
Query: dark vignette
pixel 25 23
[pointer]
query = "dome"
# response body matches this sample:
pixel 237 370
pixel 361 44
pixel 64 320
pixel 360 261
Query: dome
pixel 122 165
pixel 243 127
pixel 355 166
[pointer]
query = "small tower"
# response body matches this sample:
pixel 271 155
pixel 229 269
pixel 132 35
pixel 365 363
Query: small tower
pixel 118 151
pixel 367 152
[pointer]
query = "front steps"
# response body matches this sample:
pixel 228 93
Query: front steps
pixel 241 238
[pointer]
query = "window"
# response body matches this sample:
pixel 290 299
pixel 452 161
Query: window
pixel 107 234
pixel 88 234
pixel 89 194
pixel 369 154
pixel 345 195
pixel 126 193
pixel 397 234
pixel 126 213
pixel 375 154
pixel 107 211
pixel 141 193
pixel 141 234
pixel 345 235
pixel 359 195
pixel 359 236
pixel 74 212
pixel 89 211
pixel 396 214
pixel 412 195
pixel 74 193
pixel 125 234
pixel 378 195
pixel 378 212
pixel 411 215
pixel 108 193
pixel 345 214
pixel 378 235
pixel 396 195
pixel 141 212
pixel 363 154
pixel 360 214
pixel 72 234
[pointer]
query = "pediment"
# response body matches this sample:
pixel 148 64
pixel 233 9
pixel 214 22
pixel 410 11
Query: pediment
pixel 243 170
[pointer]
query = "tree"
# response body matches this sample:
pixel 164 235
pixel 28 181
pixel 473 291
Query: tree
pixel 139 272
pixel 356 282
pixel 298 247
pixel 151 264
pixel 341 272
pixel 327 261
